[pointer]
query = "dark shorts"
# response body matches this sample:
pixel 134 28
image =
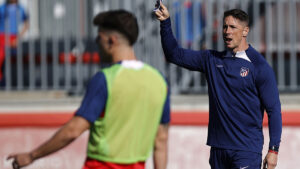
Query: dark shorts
pixel 234 159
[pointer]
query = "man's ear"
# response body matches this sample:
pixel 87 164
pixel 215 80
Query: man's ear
pixel 245 31
pixel 112 39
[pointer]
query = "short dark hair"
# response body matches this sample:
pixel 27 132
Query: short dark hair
pixel 238 14
pixel 121 21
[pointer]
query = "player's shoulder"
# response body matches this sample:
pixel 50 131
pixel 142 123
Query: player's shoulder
pixel 110 68
pixel 150 67
pixel 262 68
pixel 98 77
pixel 256 58
pixel 154 71
pixel 97 80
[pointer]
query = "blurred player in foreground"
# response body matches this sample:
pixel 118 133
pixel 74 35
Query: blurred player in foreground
pixel 241 85
pixel 126 106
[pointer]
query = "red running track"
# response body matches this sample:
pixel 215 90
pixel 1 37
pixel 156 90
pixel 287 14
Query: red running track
pixel 191 118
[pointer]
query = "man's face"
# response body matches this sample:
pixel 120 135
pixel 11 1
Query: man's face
pixel 103 43
pixel 233 32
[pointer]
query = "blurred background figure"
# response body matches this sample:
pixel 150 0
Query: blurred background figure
pixel 12 14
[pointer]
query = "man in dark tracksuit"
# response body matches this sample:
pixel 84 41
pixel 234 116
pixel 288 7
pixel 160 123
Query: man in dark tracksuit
pixel 241 85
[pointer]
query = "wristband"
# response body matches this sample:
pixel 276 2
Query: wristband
pixel 274 148
pixel 272 151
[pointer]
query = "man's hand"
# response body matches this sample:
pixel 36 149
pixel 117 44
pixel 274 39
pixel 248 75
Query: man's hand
pixel 21 160
pixel 270 161
pixel 162 13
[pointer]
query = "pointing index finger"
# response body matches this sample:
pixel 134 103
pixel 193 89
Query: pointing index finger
pixel 162 5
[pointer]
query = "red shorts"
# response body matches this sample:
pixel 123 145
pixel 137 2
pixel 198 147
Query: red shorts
pixel 95 164
pixel 2 49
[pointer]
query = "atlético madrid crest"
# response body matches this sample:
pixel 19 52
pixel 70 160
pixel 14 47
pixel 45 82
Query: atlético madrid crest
pixel 244 71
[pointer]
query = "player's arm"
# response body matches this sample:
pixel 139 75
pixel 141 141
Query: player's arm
pixel 24 28
pixel 267 86
pixel 68 133
pixel 160 154
pixel 91 108
pixel 193 60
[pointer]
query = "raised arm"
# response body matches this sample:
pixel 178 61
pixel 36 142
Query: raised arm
pixel 193 60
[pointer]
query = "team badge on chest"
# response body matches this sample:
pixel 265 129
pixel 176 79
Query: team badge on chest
pixel 244 71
